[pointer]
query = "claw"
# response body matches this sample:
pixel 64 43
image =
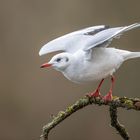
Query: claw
pixel 108 97
pixel 96 93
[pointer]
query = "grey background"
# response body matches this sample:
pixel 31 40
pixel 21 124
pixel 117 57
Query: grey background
pixel 29 95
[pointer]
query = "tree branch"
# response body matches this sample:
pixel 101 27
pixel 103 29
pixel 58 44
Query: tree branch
pixel 115 123
pixel 123 102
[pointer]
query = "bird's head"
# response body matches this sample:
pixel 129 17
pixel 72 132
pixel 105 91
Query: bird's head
pixel 59 62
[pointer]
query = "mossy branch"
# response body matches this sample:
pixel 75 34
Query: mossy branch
pixel 115 123
pixel 123 102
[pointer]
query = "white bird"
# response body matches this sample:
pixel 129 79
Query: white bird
pixel 86 57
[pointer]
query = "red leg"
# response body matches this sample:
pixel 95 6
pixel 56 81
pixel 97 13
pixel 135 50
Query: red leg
pixel 108 97
pixel 96 93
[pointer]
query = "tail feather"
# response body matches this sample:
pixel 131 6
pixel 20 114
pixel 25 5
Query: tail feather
pixel 131 55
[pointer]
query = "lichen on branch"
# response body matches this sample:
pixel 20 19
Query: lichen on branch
pixel 123 102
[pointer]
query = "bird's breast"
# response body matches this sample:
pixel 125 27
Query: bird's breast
pixel 88 75
pixel 104 63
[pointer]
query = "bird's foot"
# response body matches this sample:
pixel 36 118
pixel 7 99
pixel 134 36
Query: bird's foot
pixel 108 97
pixel 96 93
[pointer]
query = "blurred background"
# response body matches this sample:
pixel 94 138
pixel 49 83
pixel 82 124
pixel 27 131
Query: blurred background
pixel 29 95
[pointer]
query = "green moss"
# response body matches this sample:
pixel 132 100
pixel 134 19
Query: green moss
pixel 70 109
pixel 115 97
pixel 61 113
pixel 129 103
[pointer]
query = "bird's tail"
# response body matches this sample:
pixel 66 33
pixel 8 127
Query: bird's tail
pixel 130 55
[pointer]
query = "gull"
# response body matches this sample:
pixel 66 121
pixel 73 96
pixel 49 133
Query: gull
pixel 86 56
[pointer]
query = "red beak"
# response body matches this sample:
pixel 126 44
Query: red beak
pixel 45 65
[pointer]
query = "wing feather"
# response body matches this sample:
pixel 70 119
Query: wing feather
pixel 86 39
pixel 71 42
pixel 104 37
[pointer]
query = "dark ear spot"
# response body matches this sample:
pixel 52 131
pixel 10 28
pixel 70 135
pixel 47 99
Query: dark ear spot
pixel 67 59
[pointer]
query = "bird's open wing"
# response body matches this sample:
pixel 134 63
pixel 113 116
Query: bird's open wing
pixel 85 39
pixel 104 37
pixel 73 41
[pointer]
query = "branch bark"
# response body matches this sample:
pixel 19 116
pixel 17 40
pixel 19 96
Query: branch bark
pixel 115 123
pixel 123 102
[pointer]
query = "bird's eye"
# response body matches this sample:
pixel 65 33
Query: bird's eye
pixel 58 59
